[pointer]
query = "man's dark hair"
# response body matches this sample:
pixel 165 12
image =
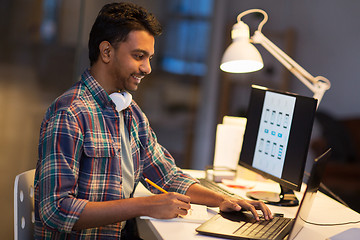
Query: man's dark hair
pixel 115 21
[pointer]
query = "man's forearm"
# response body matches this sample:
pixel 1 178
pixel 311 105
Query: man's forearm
pixel 163 206
pixel 96 214
pixel 202 195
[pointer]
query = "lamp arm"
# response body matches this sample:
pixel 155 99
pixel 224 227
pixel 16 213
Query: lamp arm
pixel 318 85
pixel 262 23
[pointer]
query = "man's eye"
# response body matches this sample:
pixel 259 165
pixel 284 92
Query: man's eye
pixel 139 56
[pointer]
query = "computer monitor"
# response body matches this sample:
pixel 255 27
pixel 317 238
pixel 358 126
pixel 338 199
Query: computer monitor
pixel 276 141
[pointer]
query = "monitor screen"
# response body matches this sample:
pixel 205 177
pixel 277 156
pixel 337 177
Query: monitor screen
pixel 277 137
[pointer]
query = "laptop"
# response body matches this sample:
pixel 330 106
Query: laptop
pixel 242 225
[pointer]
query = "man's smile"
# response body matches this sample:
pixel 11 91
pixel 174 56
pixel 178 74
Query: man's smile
pixel 137 78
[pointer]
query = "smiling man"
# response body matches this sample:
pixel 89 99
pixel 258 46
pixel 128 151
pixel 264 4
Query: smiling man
pixel 96 144
pixel 126 63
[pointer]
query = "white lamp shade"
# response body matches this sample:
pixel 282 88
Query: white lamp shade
pixel 241 57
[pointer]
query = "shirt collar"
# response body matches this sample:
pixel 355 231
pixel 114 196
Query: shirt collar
pixel 96 90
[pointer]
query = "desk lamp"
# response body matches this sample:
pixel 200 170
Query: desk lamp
pixel 242 56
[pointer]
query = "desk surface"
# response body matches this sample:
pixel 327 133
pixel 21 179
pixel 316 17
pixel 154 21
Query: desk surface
pixel 324 210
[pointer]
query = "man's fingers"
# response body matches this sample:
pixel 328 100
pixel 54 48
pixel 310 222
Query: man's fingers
pixel 182 203
pixel 252 206
pixel 183 198
pixel 252 209
pixel 182 212
pixel 261 206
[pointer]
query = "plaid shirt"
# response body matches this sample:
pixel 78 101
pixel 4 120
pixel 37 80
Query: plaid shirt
pixel 79 160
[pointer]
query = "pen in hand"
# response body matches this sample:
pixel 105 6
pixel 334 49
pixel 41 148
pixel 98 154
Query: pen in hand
pixel 155 185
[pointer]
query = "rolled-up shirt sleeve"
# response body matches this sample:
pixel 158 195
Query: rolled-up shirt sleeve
pixel 60 147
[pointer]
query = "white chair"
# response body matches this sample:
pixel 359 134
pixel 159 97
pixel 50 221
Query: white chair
pixel 24 216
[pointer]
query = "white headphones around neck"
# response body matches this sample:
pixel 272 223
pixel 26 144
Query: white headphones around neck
pixel 121 99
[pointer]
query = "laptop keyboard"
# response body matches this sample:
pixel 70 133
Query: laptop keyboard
pixel 262 229
pixel 215 187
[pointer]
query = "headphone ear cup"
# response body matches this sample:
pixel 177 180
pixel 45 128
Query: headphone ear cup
pixel 122 100
pixel 127 97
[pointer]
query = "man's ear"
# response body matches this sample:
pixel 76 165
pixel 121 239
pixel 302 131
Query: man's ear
pixel 105 51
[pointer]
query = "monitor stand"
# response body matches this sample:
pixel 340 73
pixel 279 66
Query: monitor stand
pixel 286 197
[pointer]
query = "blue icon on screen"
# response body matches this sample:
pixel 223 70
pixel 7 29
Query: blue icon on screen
pixel 281 148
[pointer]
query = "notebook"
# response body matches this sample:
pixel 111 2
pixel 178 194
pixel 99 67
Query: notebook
pixel 242 225
pixel 197 214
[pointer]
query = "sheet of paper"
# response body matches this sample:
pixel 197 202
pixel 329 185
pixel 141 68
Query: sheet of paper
pixel 197 214
pixel 239 121
pixel 239 183
pixel 228 145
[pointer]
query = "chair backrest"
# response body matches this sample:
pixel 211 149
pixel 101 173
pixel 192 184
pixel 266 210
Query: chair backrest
pixel 24 216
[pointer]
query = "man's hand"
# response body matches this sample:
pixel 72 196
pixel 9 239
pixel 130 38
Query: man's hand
pixel 168 205
pixel 205 196
pixel 164 206
pixel 234 204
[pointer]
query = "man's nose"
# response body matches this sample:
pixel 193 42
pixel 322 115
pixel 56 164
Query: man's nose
pixel 146 67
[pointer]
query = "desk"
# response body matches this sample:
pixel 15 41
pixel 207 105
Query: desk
pixel 324 210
